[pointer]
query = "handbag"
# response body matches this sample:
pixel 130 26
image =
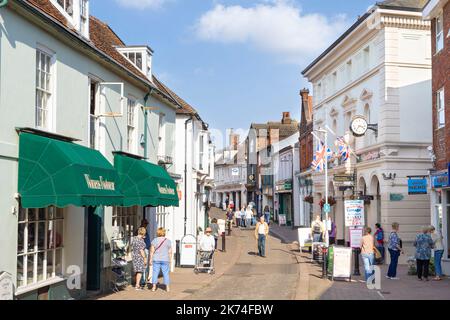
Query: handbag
pixel 377 253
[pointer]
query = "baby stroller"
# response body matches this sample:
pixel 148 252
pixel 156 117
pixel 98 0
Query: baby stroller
pixel 204 262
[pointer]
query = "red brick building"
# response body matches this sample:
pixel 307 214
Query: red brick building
pixel 438 11
pixel 306 157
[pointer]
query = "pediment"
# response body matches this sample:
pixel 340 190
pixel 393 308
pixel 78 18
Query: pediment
pixel 334 112
pixel 348 101
pixel 366 95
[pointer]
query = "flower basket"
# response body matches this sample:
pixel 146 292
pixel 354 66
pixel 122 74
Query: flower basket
pixel 309 199
pixel 331 202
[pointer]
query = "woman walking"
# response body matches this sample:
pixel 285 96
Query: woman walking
pixel 267 214
pixel 368 252
pixel 261 233
pixel 395 249
pixel 138 256
pixel 436 235
pixel 423 245
pixel 215 231
pixel 243 217
pixel 161 258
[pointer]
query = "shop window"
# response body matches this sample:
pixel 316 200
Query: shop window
pixel 126 219
pixel 44 89
pixel 40 245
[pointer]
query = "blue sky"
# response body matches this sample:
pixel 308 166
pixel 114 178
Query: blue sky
pixel 236 62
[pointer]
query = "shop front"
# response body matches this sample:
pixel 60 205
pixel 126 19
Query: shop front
pixel 63 188
pixel 283 193
pixel 440 211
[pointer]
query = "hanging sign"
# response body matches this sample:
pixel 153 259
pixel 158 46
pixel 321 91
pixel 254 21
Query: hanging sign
pixel 342 262
pixel 439 180
pixel 354 213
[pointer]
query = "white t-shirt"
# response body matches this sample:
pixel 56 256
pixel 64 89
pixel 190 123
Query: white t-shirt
pixel 262 229
pixel 207 243
pixel 249 214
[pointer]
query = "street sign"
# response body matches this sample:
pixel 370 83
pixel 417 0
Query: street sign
pixel 417 186
pixel 344 178
pixel 327 208
pixel 343 188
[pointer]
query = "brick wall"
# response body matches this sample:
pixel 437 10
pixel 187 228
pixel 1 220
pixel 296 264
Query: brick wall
pixel 441 79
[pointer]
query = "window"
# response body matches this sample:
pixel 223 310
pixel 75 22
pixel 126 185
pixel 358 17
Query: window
pixel 162 220
pixel 135 57
pixel 334 81
pixel 201 149
pixel 366 58
pixel 40 245
pixel 43 89
pixel 131 111
pixel 349 71
pixel 440 106
pixel 83 15
pixel 93 119
pixel 127 221
pixel 439 32
pixel 67 5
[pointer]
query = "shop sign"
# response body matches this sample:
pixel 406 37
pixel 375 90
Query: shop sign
pixel 439 180
pixel 287 186
pixel 344 178
pixel 417 186
pixel 99 184
pixel 354 213
pixel 165 189
pixel 235 171
pixel 396 197
pixel 373 155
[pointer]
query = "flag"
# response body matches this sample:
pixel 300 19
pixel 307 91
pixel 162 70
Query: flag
pixel 318 163
pixel 343 148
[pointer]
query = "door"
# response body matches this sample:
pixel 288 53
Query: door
pixel 94 247
pixel 287 199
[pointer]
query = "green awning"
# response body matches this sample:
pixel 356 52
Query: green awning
pixel 144 183
pixel 59 173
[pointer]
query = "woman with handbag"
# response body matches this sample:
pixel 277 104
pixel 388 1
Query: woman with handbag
pixel 161 258
pixel 368 252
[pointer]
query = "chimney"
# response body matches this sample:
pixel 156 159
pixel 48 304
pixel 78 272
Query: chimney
pixel 234 140
pixel 286 118
pixel 304 93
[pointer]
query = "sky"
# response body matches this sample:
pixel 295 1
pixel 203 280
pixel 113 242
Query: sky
pixel 236 62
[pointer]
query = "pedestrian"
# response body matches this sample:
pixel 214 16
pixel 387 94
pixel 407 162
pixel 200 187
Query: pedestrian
pixel 215 231
pixel 379 238
pixel 207 242
pixel 237 217
pixel 261 233
pixel 148 242
pixel 317 229
pixel 395 249
pixel 138 256
pixel 437 237
pixel 248 217
pixel 161 258
pixel 368 252
pixel 254 217
pixel 243 216
pixel 332 230
pixel 424 243
pixel 267 214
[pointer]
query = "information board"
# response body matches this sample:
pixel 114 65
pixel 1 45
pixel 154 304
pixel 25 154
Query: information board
pixel 354 213
pixel 342 262
pixel 304 237
pixel 188 251
pixel 356 234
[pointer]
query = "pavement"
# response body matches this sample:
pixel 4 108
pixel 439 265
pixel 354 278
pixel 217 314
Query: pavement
pixel 286 274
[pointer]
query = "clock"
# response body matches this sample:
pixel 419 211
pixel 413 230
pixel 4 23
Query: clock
pixel 359 126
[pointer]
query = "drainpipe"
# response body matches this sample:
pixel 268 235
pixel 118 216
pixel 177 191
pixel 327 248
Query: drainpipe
pixel 185 172
pixel 146 121
pixel 3 3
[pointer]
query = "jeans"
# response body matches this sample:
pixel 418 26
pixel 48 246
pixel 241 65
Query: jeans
pixel 267 217
pixel 369 261
pixel 161 266
pixel 243 222
pixel 248 222
pixel 262 245
pixel 254 221
pixel 392 272
pixel 437 262
pixel 423 268
pixel 381 249
pixel 238 222
pixel 215 242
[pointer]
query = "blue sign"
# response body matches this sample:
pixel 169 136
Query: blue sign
pixel 439 180
pixel 417 186
pixel 327 208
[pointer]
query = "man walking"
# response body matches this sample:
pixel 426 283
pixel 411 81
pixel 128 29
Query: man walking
pixel 261 233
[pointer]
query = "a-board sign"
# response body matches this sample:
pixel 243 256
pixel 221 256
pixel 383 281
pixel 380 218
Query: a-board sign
pixel 354 213
pixel 342 262
pixel 188 251
pixel 356 234
pixel 304 237
pixel 282 219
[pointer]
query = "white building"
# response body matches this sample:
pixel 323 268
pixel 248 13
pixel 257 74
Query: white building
pixel 75 88
pixel 379 68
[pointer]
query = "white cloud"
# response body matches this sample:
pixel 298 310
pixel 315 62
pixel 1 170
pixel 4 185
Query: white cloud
pixel 277 26
pixel 142 4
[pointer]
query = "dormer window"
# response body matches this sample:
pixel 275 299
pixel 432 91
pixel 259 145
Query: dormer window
pixel 67 5
pixel 140 57
pixel 84 16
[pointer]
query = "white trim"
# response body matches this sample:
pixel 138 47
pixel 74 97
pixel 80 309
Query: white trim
pixel 38 285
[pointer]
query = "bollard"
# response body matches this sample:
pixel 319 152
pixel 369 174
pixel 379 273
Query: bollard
pixel 177 254
pixel 223 241
pixel 356 258
pixel 229 227
pixel 324 264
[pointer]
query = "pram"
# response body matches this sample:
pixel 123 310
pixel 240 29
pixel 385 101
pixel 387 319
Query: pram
pixel 204 262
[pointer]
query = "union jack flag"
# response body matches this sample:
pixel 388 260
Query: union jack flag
pixel 343 148
pixel 318 163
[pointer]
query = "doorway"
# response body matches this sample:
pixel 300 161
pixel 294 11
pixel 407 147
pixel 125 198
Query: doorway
pixel 95 216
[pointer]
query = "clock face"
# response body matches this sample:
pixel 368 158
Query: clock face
pixel 359 126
